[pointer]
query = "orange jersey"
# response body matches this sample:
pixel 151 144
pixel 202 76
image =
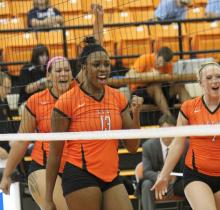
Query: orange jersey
pixel 204 152
pixel 40 105
pixel 100 158
pixel 146 63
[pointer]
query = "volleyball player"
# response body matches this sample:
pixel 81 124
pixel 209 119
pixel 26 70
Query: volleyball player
pixel 202 164
pixel 90 179
pixel 36 116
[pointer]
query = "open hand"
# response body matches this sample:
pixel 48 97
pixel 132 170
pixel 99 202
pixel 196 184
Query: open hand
pixel 5 185
pixel 160 187
pixel 136 104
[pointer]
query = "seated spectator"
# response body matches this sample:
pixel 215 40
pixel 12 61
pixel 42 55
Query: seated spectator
pixel 172 9
pixel 3 68
pixel 5 126
pixel 33 75
pixel 154 154
pixel 153 65
pixel 43 15
pixel 213 8
pixel 5 88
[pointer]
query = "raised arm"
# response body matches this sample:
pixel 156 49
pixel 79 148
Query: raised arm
pixel 18 150
pixel 129 123
pixel 175 152
pixel 98 22
pixel 59 123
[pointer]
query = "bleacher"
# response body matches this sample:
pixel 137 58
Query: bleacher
pixel 129 32
pixel 134 38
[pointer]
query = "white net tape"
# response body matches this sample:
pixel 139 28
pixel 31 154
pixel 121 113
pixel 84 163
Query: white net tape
pixel 145 133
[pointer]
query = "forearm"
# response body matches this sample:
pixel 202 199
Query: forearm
pixel 133 144
pixel 173 157
pixel 34 86
pixel 98 30
pixel 58 19
pixel 39 23
pixel 16 154
pixel 53 164
pixel 135 74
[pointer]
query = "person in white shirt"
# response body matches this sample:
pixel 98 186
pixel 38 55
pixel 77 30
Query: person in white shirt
pixel 154 155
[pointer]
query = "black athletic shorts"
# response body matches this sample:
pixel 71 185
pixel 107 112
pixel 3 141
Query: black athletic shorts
pixel 75 178
pixel 191 175
pixel 34 166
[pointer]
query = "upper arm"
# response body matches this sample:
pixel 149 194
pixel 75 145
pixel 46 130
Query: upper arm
pixel 181 121
pixel 59 121
pixel 28 122
pixel 25 76
pixel 161 11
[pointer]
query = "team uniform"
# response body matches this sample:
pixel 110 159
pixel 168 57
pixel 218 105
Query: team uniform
pixel 203 156
pixel 40 105
pixel 91 163
pixel 146 63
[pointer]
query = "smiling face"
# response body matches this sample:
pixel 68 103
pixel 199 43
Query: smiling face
pixel 210 81
pixel 61 76
pixel 97 69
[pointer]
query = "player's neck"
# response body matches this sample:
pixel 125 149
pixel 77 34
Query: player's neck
pixel 92 90
pixel 211 101
pixel 56 92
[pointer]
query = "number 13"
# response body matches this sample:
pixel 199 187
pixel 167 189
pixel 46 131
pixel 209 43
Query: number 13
pixel 105 122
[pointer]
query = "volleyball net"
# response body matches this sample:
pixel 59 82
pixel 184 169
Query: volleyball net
pixel 144 133
pixel 131 30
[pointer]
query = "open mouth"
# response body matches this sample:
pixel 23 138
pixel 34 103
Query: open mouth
pixel 215 88
pixel 102 79
pixel 63 81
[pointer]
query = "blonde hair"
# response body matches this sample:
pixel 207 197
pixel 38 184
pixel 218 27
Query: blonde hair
pixel 203 66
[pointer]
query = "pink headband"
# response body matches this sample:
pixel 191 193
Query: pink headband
pixel 53 60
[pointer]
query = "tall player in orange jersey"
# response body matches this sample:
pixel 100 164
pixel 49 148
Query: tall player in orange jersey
pixel 37 117
pixel 90 179
pixel 202 163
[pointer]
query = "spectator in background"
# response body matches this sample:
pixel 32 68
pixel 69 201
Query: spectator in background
pixel 43 15
pixel 33 75
pixel 172 9
pixel 153 65
pixel 154 154
pixel 5 88
pixel 3 68
pixel 5 127
pixel 213 8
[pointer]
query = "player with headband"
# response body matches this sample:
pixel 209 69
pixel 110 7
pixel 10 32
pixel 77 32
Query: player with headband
pixel 36 117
